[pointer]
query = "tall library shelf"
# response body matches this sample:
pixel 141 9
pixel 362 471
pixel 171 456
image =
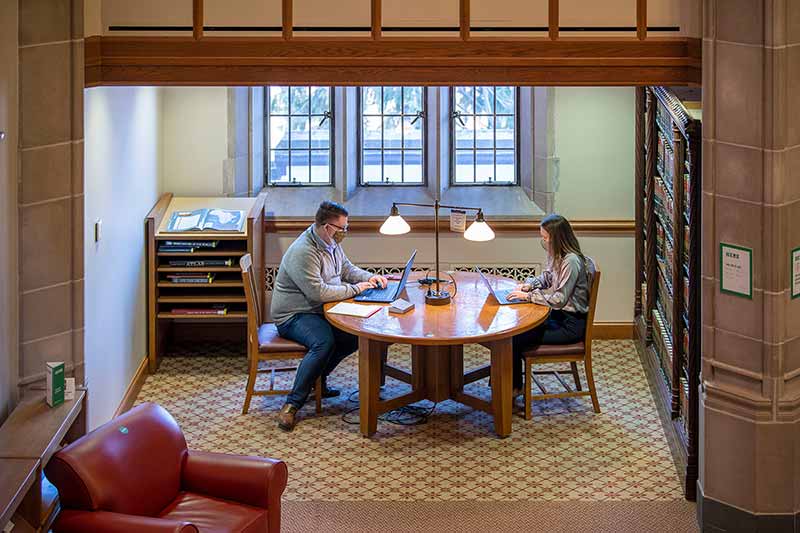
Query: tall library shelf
pixel 667 304
pixel 195 291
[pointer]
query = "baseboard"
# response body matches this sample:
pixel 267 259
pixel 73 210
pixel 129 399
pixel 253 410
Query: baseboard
pixel 134 387
pixel 717 517
pixel 612 330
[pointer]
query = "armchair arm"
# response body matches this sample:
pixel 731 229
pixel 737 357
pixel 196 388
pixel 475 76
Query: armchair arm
pixel 70 521
pixel 255 481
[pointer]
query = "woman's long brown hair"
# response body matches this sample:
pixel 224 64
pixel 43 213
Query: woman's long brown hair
pixel 562 238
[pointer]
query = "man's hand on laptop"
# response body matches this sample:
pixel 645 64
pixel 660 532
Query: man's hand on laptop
pixel 379 281
pixel 514 296
pixel 364 285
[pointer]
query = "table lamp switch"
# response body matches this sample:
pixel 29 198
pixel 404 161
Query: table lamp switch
pixel 400 306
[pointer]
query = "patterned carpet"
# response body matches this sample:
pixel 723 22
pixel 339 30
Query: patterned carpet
pixel 566 453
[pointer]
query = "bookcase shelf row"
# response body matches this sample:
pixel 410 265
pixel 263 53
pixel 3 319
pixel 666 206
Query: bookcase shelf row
pixel 194 277
pixel 233 315
pixel 667 305
pixel 235 269
pixel 206 298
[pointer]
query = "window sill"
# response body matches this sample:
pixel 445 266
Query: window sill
pixel 497 202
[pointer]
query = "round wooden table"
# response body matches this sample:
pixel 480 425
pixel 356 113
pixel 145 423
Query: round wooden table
pixel 437 335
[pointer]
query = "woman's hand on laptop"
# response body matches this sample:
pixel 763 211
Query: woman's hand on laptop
pixel 379 281
pixel 364 285
pixel 517 295
pixel 523 287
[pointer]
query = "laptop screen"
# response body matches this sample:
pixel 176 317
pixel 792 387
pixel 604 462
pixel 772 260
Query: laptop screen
pixel 406 273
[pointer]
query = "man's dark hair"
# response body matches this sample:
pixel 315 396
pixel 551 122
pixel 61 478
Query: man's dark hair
pixel 328 211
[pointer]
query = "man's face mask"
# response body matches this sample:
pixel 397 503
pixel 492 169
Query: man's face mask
pixel 339 234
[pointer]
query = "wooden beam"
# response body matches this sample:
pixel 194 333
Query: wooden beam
pixel 197 19
pixel 225 61
pixel 463 19
pixel 286 19
pixel 377 18
pixel 552 19
pixel 641 19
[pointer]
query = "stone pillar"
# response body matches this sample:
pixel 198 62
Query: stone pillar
pixel 50 200
pixel 750 406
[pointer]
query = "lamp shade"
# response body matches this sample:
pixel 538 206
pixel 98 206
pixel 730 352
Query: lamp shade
pixel 479 231
pixel 395 225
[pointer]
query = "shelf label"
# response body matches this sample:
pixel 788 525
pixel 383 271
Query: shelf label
pixel 795 273
pixel 736 270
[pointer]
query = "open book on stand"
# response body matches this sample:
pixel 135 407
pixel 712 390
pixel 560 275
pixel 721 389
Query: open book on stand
pixel 206 219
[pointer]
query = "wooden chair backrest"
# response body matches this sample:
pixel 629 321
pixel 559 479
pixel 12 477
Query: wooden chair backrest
pixel 593 290
pixel 254 318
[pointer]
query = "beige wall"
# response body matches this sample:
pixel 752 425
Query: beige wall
pixel 120 191
pixel 594 147
pixel 195 140
pixel 9 347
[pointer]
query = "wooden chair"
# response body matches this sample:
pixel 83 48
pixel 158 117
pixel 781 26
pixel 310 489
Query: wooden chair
pixel 564 353
pixel 266 345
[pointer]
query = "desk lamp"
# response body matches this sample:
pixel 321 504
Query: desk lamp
pixel 478 231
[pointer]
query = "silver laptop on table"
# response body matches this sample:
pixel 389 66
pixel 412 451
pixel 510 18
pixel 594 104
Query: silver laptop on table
pixel 501 295
pixel 391 291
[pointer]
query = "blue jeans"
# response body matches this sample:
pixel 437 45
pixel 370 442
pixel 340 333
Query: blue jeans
pixel 327 346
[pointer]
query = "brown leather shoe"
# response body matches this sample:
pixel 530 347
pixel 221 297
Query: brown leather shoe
pixel 286 417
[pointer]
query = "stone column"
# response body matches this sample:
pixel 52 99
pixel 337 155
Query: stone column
pixel 50 200
pixel 750 407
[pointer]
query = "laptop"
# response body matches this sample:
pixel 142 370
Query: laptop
pixel 391 291
pixel 501 295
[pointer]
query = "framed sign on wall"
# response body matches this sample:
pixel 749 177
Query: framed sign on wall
pixel 736 270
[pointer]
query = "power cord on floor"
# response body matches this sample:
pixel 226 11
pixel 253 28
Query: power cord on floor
pixel 408 415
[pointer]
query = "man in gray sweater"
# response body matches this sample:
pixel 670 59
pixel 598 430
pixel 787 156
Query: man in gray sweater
pixel 315 270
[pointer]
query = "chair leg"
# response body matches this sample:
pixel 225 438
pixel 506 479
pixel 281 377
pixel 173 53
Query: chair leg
pixel 528 385
pixel 251 383
pixel 576 376
pixel 318 394
pixel 384 359
pixel 590 383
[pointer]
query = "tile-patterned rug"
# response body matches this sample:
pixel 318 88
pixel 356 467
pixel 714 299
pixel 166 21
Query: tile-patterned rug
pixel 567 452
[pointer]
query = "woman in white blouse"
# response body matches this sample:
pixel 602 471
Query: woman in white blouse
pixel 564 286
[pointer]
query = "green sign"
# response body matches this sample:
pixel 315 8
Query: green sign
pixel 736 270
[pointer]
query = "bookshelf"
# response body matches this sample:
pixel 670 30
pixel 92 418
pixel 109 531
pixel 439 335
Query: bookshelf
pixel 667 306
pixel 215 299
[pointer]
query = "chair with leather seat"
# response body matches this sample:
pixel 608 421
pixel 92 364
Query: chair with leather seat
pixel 267 345
pixel 136 474
pixel 580 352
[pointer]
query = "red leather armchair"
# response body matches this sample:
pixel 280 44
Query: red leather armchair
pixel 136 474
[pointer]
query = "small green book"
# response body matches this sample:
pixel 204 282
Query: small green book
pixel 55 384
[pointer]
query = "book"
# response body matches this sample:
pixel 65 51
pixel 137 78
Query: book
pixel 349 309
pixel 223 310
pixel 206 219
pixel 200 262
pixel 175 249
pixel 191 278
pixel 192 244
